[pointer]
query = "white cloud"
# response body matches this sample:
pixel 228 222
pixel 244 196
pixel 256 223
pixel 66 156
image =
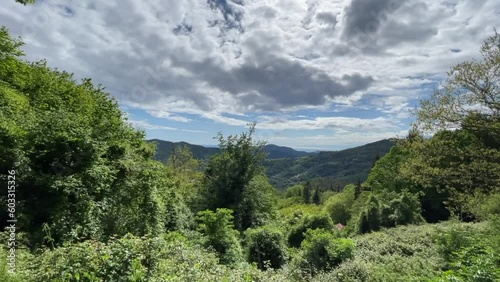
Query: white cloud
pixel 144 124
pixel 171 58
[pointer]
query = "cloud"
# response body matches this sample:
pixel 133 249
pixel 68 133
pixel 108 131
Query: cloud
pixel 144 124
pixel 335 123
pixel 218 59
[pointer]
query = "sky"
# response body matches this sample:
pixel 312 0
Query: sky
pixel 313 74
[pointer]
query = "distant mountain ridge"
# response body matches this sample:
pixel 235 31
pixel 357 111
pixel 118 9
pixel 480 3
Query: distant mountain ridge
pixel 164 149
pixel 286 166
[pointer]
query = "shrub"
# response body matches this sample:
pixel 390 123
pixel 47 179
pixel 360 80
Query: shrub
pixel 296 235
pixel 339 207
pixel 389 209
pixel 294 191
pixel 266 245
pixel 321 250
pixel 220 234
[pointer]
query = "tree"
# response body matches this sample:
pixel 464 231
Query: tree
pixel 375 159
pixel 307 192
pixel 82 170
pixel 181 160
pixel 339 206
pixel 230 171
pixel 185 172
pixel 470 98
pixel 370 218
pixel 258 204
pixel 317 196
pixel 358 189
pixel 294 191
pixel 463 157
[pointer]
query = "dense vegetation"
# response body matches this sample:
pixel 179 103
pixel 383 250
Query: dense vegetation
pixel 93 205
pixel 328 170
pixel 286 167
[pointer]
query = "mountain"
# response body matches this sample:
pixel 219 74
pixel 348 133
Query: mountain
pixel 280 152
pixel 286 166
pixel 336 168
pixel 164 149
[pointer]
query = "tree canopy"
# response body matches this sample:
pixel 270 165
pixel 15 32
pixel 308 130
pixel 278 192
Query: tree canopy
pixel 82 169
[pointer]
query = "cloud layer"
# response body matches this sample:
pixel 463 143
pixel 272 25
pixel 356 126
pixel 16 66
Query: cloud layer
pixel 231 61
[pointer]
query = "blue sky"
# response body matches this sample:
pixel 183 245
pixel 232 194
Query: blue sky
pixel 313 74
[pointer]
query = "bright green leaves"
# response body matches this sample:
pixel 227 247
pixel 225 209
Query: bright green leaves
pixel 83 171
pixel 220 234
pixel 9 47
pixel 321 250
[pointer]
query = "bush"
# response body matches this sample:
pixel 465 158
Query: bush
pixel 297 233
pixel 389 209
pixel 321 250
pixel 266 245
pixel 220 234
pixel 167 258
pixel 294 191
pixel 470 256
pixel 339 207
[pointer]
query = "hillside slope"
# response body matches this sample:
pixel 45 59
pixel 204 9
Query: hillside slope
pixel 341 167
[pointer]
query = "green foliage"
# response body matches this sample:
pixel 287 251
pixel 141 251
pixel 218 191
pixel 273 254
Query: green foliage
pixel 166 258
pixel 230 172
pixel 469 256
pixel 321 250
pixel 258 204
pixel 306 193
pixel 220 234
pixel 386 174
pixel 465 161
pixel 184 171
pixel 389 210
pixel 297 233
pixel 178 216
pixel 316 197
pixel 266 247
pixel 339 206
pixel 82 169
pixel 484 205
pixel 340 167
pixel 458 163
pixel 294 191
pixel 370 218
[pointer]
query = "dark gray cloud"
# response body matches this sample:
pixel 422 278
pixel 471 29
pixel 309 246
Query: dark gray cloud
pixel 366 17
pixel 278 83
pixel 376 25
pixel 327 17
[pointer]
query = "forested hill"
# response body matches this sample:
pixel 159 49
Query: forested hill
pixel 286 166
pixel 165 148
pixel 336 168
